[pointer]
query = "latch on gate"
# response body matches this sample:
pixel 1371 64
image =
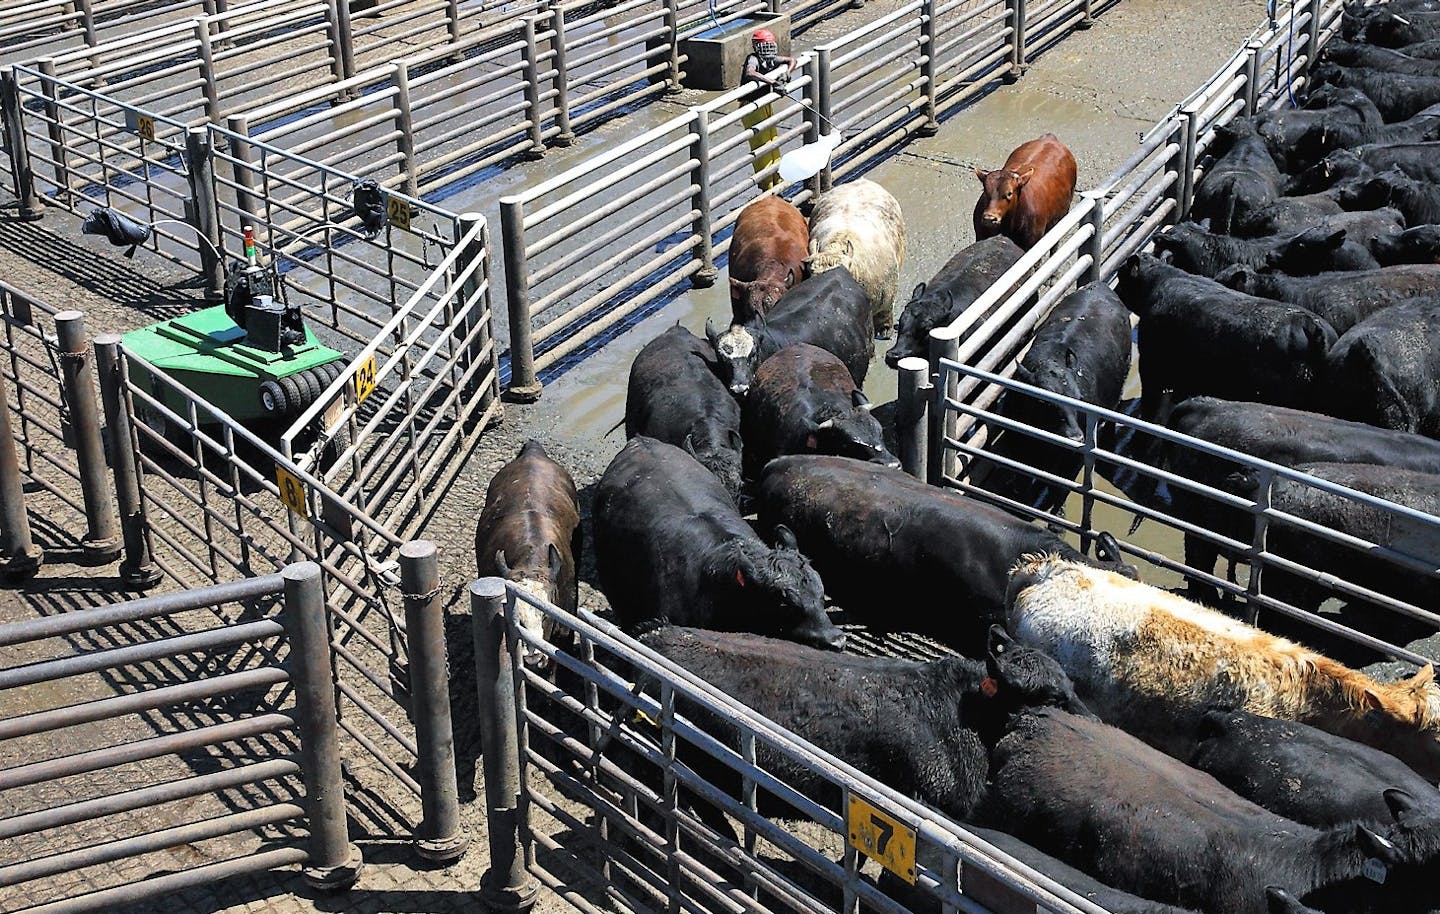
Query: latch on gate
pixel 881 837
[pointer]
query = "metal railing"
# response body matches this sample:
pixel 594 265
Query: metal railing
pixel 171 682
pixel 1279 549
pixel 949 408
pixel 615 734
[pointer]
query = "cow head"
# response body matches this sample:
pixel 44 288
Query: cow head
pixel 1060 376
pixel 758 296
pixel 1026 677
pixel 1340 165
pixel 1001 191
pixel 718 449
pixel 1420 244
pixel 777 593
pixel 853 433
pixel 738 353
pixel 913 327
pixel 1300 255
pixel 1239 277
pixel 540 578
pixel 1373 191
pixel 1403 718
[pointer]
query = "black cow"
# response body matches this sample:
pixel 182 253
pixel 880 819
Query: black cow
pixel 1080 350
pixel 1292 436
pixel 1357 54
pixel 1342 299
pixel 670 545
pixel 1243 179
pixel 867 527
pixel 529 533
pixel 1383 370
pixel 1419 201
pixel 1299 137
pixel 1420 244
pixel 1305 774
pixel 1397 95
pixel 924 729
pixel 1420 491
pixel 1290 215
pixel 1197 336
pixel 829 310
pixel 937 303
pixel 1390 30
pixel 1197 251
pixel 675 395
pixel 805 402
pixel 1104 802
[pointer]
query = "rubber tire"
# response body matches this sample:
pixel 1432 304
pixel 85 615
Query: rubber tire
pixel 279 404
pixel 294 393
pixel 310 386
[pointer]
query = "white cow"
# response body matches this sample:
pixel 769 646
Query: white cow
pixel 1152 663
pixel 859 226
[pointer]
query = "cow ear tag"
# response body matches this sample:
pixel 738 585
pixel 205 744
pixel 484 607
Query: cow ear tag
pixel 1375 870
pixel 740 577
pixel 810 442
pixel 989 687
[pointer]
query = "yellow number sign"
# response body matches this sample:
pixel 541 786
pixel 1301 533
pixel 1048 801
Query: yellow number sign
pixel 145 127
pixel 882 838
pixel 292 492
pixel 398 212
pixel 365 380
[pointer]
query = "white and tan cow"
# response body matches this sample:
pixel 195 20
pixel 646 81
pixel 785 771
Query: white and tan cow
pixel 859 226
pixel 1152 663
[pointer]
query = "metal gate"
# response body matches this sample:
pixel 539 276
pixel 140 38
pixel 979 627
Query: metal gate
pixel 586 778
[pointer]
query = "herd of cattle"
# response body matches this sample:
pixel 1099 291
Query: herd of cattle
pixel 1146 750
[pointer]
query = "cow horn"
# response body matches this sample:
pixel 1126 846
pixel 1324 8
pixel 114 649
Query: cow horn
pixel 711 333
pixel 867 406
pixel 828 423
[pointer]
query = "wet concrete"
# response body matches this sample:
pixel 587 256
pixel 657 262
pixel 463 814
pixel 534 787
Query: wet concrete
pixel 1098 91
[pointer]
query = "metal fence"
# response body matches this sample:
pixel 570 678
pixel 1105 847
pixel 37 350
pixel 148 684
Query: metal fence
pixel 617 733
pixel 949 408
pixel 668 210
pixel 158 695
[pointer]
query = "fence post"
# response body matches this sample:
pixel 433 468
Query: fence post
pixel 1015 18
pixel 452 19
pixel 1087 8
pixel 1252 77
pixel 405 124
pixel 700 201
pixel 928 31
pixel 532 88
pixel 1187 157
pixel 138 569
pixel 344 37
pixel 506 886
pixel 334 862
pixel 476 251
pixel 524 387
pixel 58 153
pixel 439 837
pixel 911 415
pixel 1258 539
pixel 332 33
pixel 822 99
pixel 87 23
pixel 566 136
pixel 1095 199
pixel 15 140
pixel 207 69
pixel 243 156
pixel 672 29
pixel 22 557
pixel 204 206
pixel 944 344
pixel 1087 482
pixel 101 543
pixel 1312 34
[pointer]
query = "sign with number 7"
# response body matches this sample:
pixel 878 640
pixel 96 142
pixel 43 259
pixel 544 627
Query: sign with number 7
pixel 881 837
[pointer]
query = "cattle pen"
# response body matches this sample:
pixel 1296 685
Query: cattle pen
pixel 587 787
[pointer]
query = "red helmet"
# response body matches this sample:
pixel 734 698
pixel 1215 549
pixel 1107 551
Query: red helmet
pixel 763 35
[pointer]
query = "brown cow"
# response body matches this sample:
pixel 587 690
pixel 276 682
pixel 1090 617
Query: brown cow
pixel 1026 197
pixel 767 256
pixel 529 533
